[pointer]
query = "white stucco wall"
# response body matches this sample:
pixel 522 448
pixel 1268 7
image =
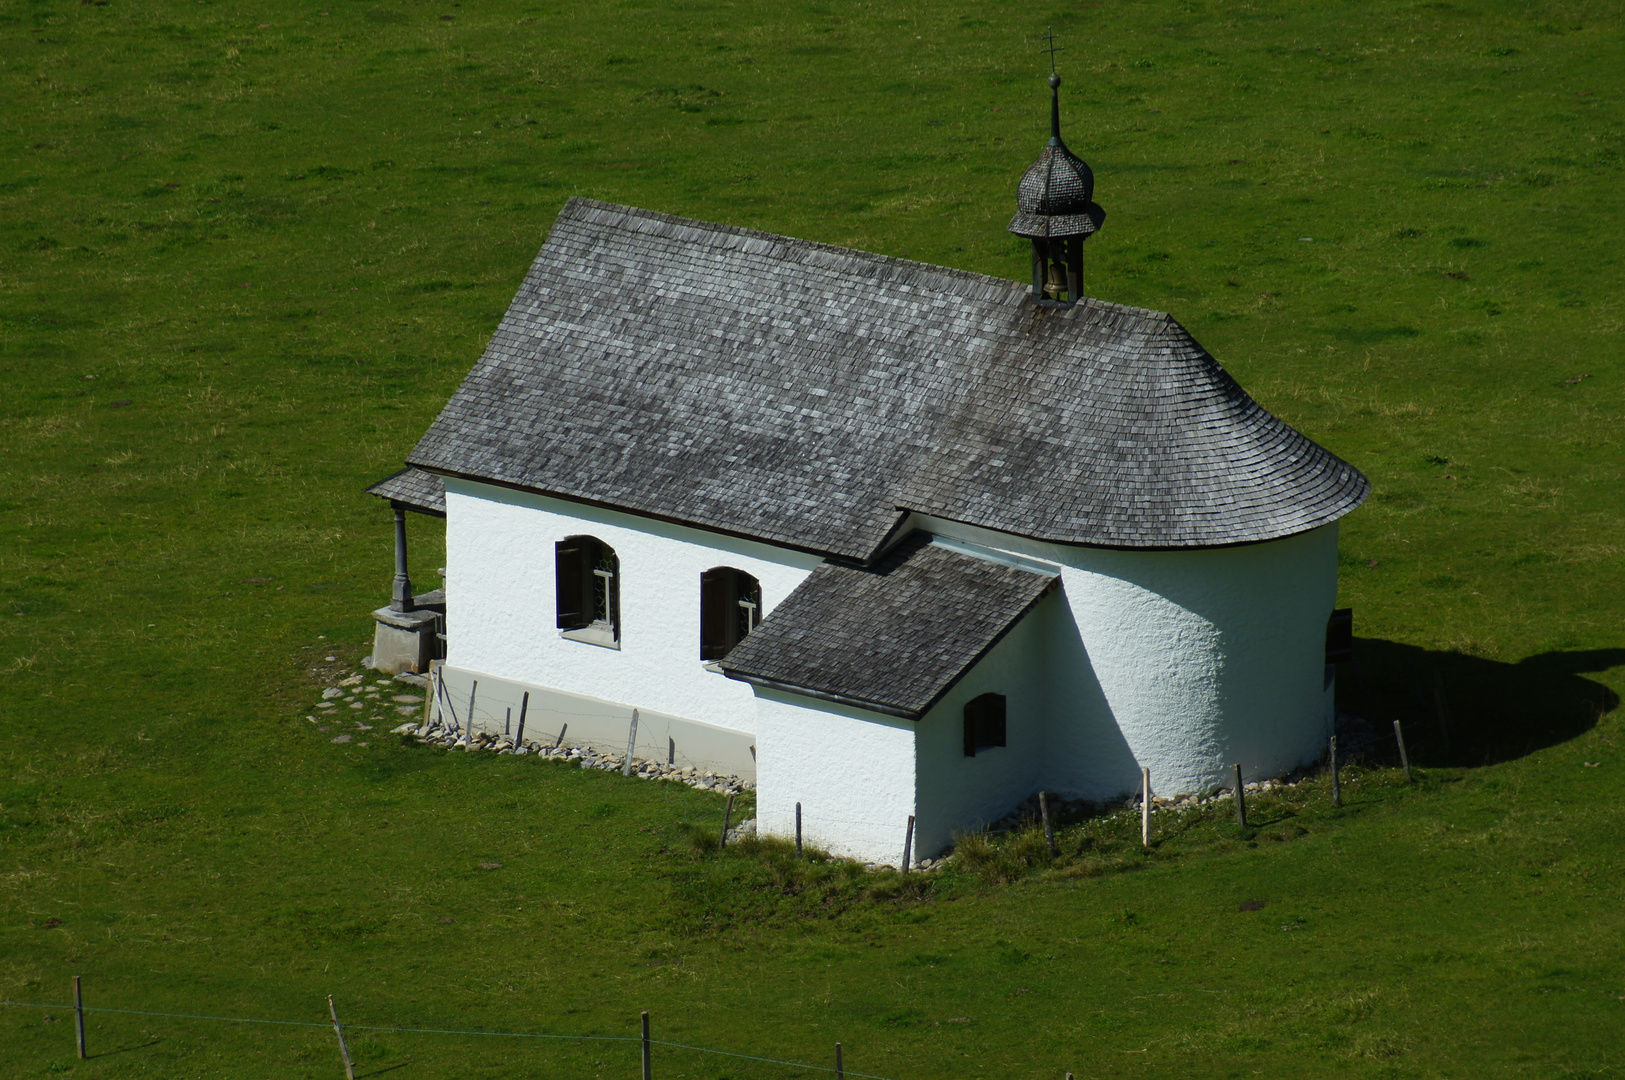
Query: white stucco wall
pixel 954 793
pixel 853 771
pixel 500 601
pixel 1182 661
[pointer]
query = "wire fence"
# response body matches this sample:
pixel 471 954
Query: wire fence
pixel 464 722
pixel 648 1043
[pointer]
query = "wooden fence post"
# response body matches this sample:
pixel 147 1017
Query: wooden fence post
pixel 344 1051
pixel 78 1019
pixel 727 815
pixel 431 696
pixel 1404 758
pixel 1049 827
pixel 560 740
pixel 442 703
pixel 647 1074
pixel 1145 807
pixel 1337 788
pixel 908 844
pixel 631 744
pixel 468 725
pixel 524 707
pixel 840 1069
pixel 798 830
pixel 1241 799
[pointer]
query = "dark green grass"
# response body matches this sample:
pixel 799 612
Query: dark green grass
pixel 242 266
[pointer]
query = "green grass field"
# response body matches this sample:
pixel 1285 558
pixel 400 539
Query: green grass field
pixel 247 251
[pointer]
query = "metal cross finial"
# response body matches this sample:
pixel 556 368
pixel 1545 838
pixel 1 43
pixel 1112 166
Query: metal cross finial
pixel 1050 48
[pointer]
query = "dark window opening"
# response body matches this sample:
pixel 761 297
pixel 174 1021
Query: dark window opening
pixel 984 723
pixel 1340 636
pixel 588 579
pixel 730 608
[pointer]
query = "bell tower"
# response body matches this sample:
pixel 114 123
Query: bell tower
pixel 1055 208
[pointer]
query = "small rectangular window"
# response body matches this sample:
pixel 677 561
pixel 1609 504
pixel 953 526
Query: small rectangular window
pixel 1340 636
pixel 984 723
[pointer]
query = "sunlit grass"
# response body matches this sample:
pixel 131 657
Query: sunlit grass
pixel 247 252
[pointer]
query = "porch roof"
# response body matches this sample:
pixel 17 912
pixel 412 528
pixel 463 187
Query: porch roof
pixel 413 489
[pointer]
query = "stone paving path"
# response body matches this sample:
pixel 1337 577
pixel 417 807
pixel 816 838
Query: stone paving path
pixel 367 694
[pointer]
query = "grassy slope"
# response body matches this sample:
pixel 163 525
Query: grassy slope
pixel 282 246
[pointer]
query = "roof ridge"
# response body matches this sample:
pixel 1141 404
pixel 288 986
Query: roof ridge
pixel 597 212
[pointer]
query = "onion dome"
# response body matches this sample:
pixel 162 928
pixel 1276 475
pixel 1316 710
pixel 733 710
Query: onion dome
pixel 1056 197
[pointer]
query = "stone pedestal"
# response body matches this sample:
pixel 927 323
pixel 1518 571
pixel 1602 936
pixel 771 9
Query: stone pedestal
pixel 404 640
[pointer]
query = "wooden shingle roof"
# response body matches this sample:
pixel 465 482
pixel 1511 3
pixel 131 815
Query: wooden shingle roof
pixel 413 489
pixel 811 396
pixel 893 637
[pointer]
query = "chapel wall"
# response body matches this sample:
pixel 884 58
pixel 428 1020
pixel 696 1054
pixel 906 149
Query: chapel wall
pixel 852 770
pixel 956 793
pixel 500 613
pixel 1204 659
pixel 1185 662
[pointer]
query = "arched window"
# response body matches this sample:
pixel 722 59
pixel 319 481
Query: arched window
pixel 588 579
pixel 730 608
pixel 984 723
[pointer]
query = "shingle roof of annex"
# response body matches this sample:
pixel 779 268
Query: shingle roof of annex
pixel 811 395
pixel 893 637
pixel 413 488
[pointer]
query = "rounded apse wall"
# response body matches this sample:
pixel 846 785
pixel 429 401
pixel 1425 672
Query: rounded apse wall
pixel 1188 662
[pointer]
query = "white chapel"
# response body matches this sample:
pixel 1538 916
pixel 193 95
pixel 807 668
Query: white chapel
pixel 893 540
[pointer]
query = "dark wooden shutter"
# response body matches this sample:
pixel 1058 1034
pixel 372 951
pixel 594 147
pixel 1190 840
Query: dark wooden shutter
pixel 993 734
pixel 716 615
pixel 573 560
pixel 1340 636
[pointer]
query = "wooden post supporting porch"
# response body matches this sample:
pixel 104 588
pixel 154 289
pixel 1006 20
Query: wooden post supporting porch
pixel 401 593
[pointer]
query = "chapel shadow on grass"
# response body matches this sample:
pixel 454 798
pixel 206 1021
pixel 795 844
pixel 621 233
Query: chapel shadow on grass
pixel 1493 711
